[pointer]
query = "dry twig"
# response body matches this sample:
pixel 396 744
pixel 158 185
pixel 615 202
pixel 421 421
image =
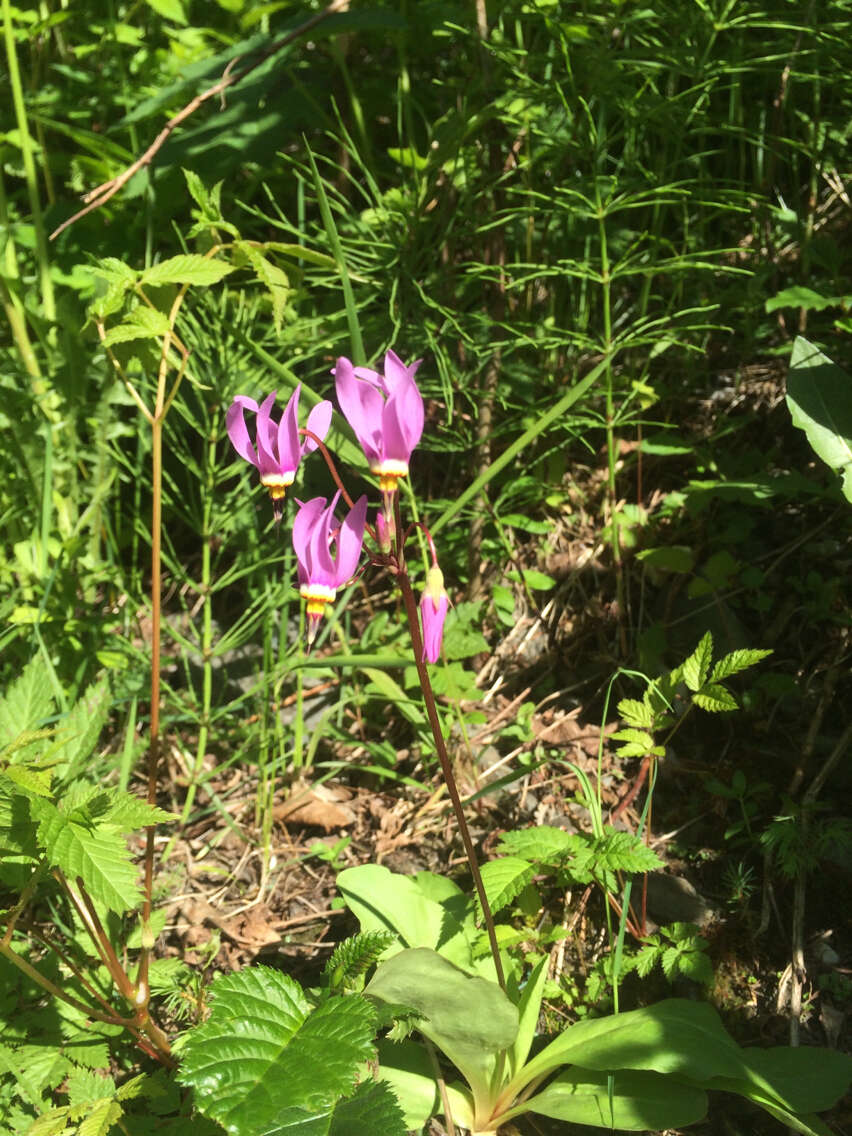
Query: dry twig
pixel 101 194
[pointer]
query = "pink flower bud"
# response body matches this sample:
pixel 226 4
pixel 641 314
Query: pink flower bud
pixel 433 612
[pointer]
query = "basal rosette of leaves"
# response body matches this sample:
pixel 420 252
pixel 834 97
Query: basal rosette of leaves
pixel 649 1068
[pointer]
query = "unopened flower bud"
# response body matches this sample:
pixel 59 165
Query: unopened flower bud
pixel 433 612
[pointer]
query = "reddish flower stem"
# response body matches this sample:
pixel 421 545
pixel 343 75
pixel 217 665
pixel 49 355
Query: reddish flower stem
pixel 441 749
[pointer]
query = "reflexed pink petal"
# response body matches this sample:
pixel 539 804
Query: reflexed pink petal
pixel 410 412
pixel 235 422
pixel 349 541
pixel 267 461
pixel 289 447
pixel 362 405
pixel 372 377
pixel 322 566
pixel 318 423
pixel 396 371
pixel 303 527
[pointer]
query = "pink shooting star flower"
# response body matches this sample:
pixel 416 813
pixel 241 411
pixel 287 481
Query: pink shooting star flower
pixel 433 611
pixel 386 413
pixel 321 574
pixel 279 445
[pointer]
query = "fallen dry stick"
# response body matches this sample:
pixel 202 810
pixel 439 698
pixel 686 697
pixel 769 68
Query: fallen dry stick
pixel 99 196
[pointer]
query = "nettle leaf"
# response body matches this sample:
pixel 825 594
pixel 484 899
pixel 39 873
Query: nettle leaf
pixel 33 780
pixel 28 701
pixel 623 852
pixel 188 268
pixel 735 662
pixel 545 844
pixel 694 670
pixel 78 732
pixel 716 699
pixel 372 1110
pixel 264 1059
pixel 99 856
pixel 140 323
pixel 503 880
pixel 636 713
pixel 127 812
pixel 636 743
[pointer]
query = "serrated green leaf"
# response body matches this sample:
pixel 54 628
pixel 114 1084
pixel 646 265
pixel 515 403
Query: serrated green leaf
pixel 372 1110
pixel 114 270
pixel 28 701
pixel 715 699
pixel 140 323
pixel 695 669
pixel 78 732
pixel 636 713
pixel 263 1051
pixel 127 812
pixel 635 743
pixel 100 1118
pixel 544 844
pixel 34 780
pixel 737 661
pixel 52 1123
pixel 99 856
pixel 503 880
pixel 188 268
pixel 801 297
pixel 623 852
pixel 274 279
pixel 85 1086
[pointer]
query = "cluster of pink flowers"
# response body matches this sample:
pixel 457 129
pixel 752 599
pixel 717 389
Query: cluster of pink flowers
pixel 385 410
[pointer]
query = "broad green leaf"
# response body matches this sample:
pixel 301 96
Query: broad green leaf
pixel 384 901
pixel 675 1036
pixel 468 1018
pixel 735 662
pixel 803 1079
pixel 716 699
pixel 188 268
pixel 99 856
pixel 529 1008
pixel 538 581
pixel 640 1101
pixel 140 323
pixel 169 9
pixel 801 297
pixel 264 1052
pixel 392 692
pixel 695 669
pixel 503 880
pixel 406 1067
pixel 28 701
pixel 819 398
pixel 670 558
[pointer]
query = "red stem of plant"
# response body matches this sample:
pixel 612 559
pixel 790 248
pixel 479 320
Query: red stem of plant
pixel 443 756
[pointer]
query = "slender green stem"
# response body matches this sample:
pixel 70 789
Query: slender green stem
pixel 25 141
pixel 446 767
